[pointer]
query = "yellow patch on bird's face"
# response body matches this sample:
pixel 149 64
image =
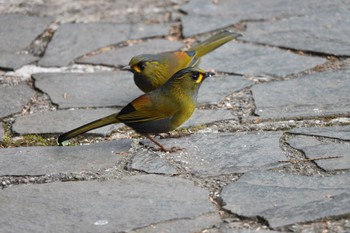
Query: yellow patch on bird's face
pixel 136 68
pixel 200 78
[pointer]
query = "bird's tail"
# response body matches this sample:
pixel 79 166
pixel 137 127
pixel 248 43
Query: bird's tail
pixel 111 119
pixel 214 42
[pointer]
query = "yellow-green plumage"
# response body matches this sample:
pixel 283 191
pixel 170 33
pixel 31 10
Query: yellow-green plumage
pixel 158 111
pixel 152 70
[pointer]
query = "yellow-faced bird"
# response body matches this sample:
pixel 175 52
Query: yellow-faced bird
pixel 158 111
pixel 153 70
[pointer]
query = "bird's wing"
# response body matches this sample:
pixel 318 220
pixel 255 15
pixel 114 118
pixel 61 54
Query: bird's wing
pixel 142 109
pixel 213 43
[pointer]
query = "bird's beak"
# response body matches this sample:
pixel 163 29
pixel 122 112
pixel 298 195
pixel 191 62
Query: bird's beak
pixel 209 74
pixel 128 68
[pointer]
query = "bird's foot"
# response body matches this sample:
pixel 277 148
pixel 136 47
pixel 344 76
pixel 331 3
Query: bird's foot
pixel 171 150
pixel 162 148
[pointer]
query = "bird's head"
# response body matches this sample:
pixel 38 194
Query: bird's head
pixel 189 79
pixel 143 64
pixel 148 71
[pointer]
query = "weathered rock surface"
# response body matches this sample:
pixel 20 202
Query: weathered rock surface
pixel 14 98
pixel 103 89
pixel 35 161
pixel 62 121
pixel 217 154
pixel 2 134
pixel 256 60
pixel 227 12
pixel 318 94
pixel 316 149
pixel 122 56
pixel 322 33
pixel 284 199
pixel 72 41
pixel 116 205
pixel 339 132
pixel 17 33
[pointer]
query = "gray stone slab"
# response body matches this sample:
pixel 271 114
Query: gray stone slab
pixel 216 88
pixel 339 132
pixel 61 159
pixel 207 116
pixel 61 121
pixel 18 31
pixel 324 33
pixel 284 199
pixel 251 59
pixel 13 61
pixel 152 164
pixel 318 94
pixel 128 11
pixel 13 98
pixel 102 89
pixel 122 56
pixel 2 133
pixel 208 23
pixel 74 40
pixel 123 205
pixel 314 148
pixel 225 153
pixel 213 15
pixel 260 10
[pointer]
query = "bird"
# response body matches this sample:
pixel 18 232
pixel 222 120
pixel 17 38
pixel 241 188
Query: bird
pixel 158 111
pixel 151 71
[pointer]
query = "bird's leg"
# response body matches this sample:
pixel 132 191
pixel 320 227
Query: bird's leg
pixel 162 148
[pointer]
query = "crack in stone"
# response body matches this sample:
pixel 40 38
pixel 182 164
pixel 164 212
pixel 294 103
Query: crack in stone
pixel 310 53
pixel 298 158
pixel 152 225
pixel 256 221
pixel 8 181
pixel 40 43
pixel 305 225
pixel 324 139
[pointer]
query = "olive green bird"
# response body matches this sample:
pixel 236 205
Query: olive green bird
pixel 158 111
pixel 153 70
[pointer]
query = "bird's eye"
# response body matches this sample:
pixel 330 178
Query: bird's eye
pixel 195 76
pixel 142 66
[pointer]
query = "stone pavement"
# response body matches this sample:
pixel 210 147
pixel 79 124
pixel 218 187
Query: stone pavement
pixel 267 150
